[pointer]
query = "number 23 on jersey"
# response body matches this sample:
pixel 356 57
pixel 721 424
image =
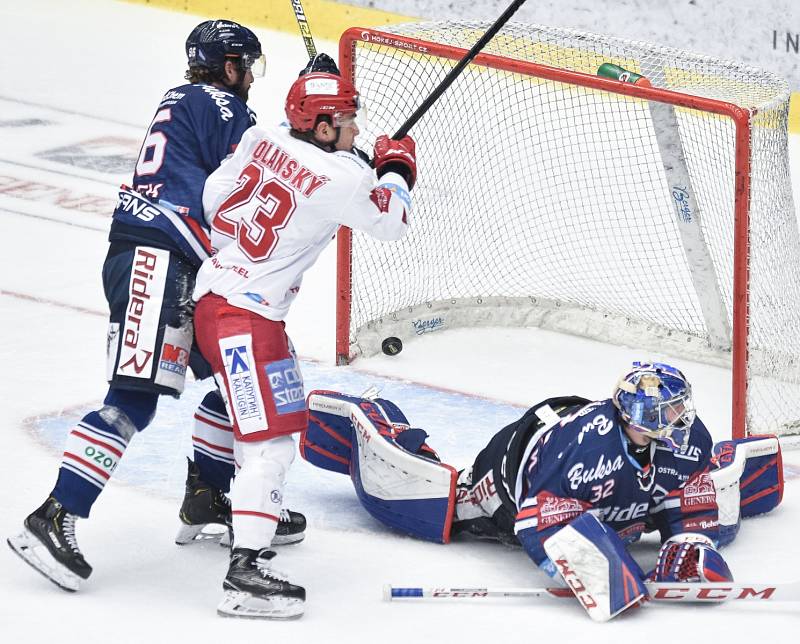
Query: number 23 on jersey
pixel 256 234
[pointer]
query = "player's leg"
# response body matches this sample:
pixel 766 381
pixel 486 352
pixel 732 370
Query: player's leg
pixel 252 587
pixel 480 512
pixel 486 493
pixel 147 353
pixel 93 449
pixel 205 512
pixel 257 371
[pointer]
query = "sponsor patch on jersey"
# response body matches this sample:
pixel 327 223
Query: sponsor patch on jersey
pixel 221 100
pixel 286 383
pixel 145 297
pixel 557 510
pixel 400 192
pixel 381 196
pixel 630 534
pixel 244 398
pixel 700 524
pixel 174 357
pixel 699 494
pixel 257 298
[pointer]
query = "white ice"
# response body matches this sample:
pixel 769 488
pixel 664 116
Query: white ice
pixel 91 73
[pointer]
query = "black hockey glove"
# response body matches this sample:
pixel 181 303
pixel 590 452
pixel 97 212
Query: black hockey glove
pixel 321 63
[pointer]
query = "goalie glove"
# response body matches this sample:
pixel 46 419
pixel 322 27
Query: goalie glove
pixel 690 557
pixel 396 156
pixel 320 63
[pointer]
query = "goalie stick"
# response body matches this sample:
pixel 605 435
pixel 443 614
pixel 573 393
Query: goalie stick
pixel 456 71
pixel 701 593
pixel 305 30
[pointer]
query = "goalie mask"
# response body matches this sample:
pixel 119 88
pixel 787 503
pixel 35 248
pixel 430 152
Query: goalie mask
pixel 655 400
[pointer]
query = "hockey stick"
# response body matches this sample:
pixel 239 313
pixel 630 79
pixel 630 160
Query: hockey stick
pixel 456 71
pixel 703 593
pixel 305 30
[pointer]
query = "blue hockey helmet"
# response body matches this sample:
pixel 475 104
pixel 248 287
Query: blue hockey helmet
pixel 213 42
pixel 655 400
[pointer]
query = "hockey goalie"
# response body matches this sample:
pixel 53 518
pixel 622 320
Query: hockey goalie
pixel 573 482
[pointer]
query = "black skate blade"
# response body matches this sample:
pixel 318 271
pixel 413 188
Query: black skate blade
pixel 37 556
pixel 277 540
pixel 243 605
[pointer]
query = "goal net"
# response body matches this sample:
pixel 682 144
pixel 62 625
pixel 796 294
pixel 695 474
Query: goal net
pixel 555 191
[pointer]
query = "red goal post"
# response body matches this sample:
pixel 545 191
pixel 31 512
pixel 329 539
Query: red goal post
pixel 683 122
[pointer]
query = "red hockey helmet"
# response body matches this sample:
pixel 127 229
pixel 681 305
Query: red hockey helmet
pixel 318 94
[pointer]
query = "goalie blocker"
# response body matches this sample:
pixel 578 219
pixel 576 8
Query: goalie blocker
pixel 748 479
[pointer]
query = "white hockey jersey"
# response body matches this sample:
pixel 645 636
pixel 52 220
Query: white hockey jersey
pixel 275 205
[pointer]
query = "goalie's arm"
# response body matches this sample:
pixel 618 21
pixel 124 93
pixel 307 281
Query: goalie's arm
pixel 690 508
pixel 533 529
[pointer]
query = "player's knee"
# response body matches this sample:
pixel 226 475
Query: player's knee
pixel 213 401
pixel 129 411
pixel 270 458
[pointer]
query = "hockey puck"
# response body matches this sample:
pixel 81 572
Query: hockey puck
pixel 392 346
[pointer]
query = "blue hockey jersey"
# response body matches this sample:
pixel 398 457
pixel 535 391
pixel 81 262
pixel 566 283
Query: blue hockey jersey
pixel 195 127
pixel 583 464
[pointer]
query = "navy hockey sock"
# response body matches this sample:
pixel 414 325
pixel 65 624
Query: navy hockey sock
pixel 93 449
pixel 212 441
pixel 96 444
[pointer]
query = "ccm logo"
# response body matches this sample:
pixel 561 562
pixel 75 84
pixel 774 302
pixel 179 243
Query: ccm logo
pixel 678 593
pixel 574 582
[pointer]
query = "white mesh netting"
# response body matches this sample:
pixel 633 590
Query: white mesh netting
pixel 546 203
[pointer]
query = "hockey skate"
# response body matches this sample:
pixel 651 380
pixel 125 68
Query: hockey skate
pixel 291 528
pixel 48 544
pixel 253 589
pixel 206 514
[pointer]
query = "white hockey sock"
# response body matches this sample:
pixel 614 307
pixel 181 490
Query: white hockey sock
pixel 257 491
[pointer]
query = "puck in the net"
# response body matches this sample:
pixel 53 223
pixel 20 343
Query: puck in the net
pixel 392 346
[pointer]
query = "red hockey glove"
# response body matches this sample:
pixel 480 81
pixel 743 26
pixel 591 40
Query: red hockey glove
pixel 396 156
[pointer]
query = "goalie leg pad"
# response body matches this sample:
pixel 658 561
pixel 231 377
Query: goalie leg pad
pixel 327 441
pixel 402 489
pixel 748 478
pixel 594 563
